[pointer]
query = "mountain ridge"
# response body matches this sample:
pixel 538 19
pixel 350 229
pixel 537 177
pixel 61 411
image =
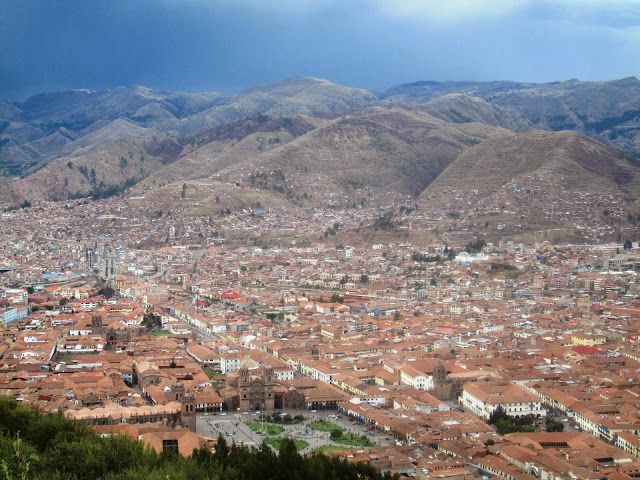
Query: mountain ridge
pixel 308 143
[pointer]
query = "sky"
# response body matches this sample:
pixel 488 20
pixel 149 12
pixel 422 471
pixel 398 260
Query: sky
pixel 230 45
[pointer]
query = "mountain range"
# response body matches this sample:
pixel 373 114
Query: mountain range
pixel 309 143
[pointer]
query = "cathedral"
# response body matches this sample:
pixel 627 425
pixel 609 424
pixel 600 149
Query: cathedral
pixel 250 389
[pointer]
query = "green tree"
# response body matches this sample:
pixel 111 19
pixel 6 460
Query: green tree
pixel 151 321
pixel 553 426
pixel 475 246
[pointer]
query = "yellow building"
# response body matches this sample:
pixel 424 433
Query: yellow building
pixel 589 340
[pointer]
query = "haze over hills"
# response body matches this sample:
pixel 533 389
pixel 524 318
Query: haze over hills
pixel 609 111
pixel 81 111
pixel 461 108
pixel 312 143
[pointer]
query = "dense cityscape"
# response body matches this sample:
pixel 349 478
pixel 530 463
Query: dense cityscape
pixel 446 361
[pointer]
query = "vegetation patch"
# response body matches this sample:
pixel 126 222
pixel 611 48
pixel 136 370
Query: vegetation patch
pixel 331 449
pixel 160 333
pixel 324 426
pixel 506 424
pixel 277 442
pixel 285 419
pixel 338 435
pixel 351 439
pixel 266 429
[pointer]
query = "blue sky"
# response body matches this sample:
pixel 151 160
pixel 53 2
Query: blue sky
pixel 228 45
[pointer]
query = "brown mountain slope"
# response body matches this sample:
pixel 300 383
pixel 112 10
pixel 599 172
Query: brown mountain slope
pixel 98 171
pixel 545 185
pixel 563 159
pixel 380 154
pixel 213 150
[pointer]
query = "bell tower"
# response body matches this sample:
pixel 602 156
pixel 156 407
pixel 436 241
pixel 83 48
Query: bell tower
pixel 96 323
pixel 439 373
pixel 189 411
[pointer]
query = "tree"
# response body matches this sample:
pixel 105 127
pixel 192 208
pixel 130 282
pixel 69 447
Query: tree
pixel 107 292
pixel 364 278
pixel 20 462
pixel 475 246
pixel 497 414
pixel 628 245
pixel 30 290
pixel 336 298
pixel 222 449
pixel 151 321
pixel 552 425
pixel 63 301
pixel 385 222
pixel 183 193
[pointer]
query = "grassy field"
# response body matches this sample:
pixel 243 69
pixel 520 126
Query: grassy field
pixel 269 428
pixel 209 372
pixel 353 440
pixel 285 419
pixel 338 434
pixel 160 333
pixel 276 441
pixel 324 426
pixel 330 449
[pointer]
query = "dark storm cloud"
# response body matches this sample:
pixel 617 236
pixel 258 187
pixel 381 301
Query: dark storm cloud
pixel 229 45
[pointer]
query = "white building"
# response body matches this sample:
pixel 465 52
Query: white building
pixel 414 377
pixel 229 364
pixel 482 398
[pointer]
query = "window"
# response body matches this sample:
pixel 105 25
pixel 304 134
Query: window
pixel 170 446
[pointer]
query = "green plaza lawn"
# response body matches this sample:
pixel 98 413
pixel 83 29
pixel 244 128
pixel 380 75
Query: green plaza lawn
pixel 269 428
pixel 276 441
pixel 338 435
